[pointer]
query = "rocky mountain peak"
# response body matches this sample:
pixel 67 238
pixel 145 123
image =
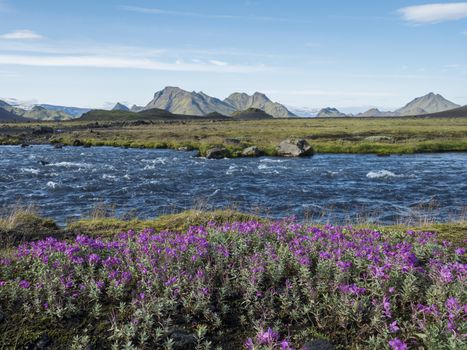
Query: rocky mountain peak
pixel 179 101
pixel 429 103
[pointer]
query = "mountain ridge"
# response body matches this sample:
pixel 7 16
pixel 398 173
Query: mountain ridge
pixel 179 101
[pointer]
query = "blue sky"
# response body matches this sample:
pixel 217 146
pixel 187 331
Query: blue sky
pixel 302 53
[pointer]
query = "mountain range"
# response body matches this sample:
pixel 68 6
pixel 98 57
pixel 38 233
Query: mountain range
pixel 427 104
pixel 37 112
pixel 179 101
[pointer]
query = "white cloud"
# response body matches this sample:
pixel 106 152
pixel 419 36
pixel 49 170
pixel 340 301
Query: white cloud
pixel 158 11
pixel 124 63
pixel 22 34
pixel 435 13
pixel 218 63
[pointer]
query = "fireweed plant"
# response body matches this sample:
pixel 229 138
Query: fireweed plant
pixel 273 285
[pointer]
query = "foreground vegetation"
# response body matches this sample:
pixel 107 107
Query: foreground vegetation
pixel 235 283
pixel 333 135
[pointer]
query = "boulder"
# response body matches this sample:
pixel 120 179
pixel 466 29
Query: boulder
pixel 252 151
pixel 294 148
pixel 379 138
pixel 217 153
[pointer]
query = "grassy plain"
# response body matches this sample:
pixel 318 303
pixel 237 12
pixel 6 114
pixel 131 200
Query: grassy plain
pixel 333 135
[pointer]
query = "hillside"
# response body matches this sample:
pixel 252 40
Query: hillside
pixel 460 112
pixel 252 113
pixel 150 114
pixel 6 117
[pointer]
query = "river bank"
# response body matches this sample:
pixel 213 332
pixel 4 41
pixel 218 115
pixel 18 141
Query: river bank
pixel 334 135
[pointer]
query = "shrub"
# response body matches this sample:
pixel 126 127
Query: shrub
pixel 252 285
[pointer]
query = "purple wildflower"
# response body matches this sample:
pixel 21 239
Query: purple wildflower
pixel 249 344
pixel 393 327
pixel 93 259
pixel 387 307
pixel 267 337
pixel 460 251
pixel 24 284
pixel 285 345
pixel 397 344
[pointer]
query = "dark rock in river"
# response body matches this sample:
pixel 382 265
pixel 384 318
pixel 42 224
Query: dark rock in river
pixel 217 153
pixel 78 143
pixel 58 145
pixel 318 344
pixel 252 151
pixel 294 148
pixel 24 145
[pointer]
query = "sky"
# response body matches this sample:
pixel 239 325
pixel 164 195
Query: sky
pixel 301 53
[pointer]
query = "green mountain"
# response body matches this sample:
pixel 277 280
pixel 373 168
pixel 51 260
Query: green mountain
pixel 178 101
pixel 243 101
pixel 252 113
